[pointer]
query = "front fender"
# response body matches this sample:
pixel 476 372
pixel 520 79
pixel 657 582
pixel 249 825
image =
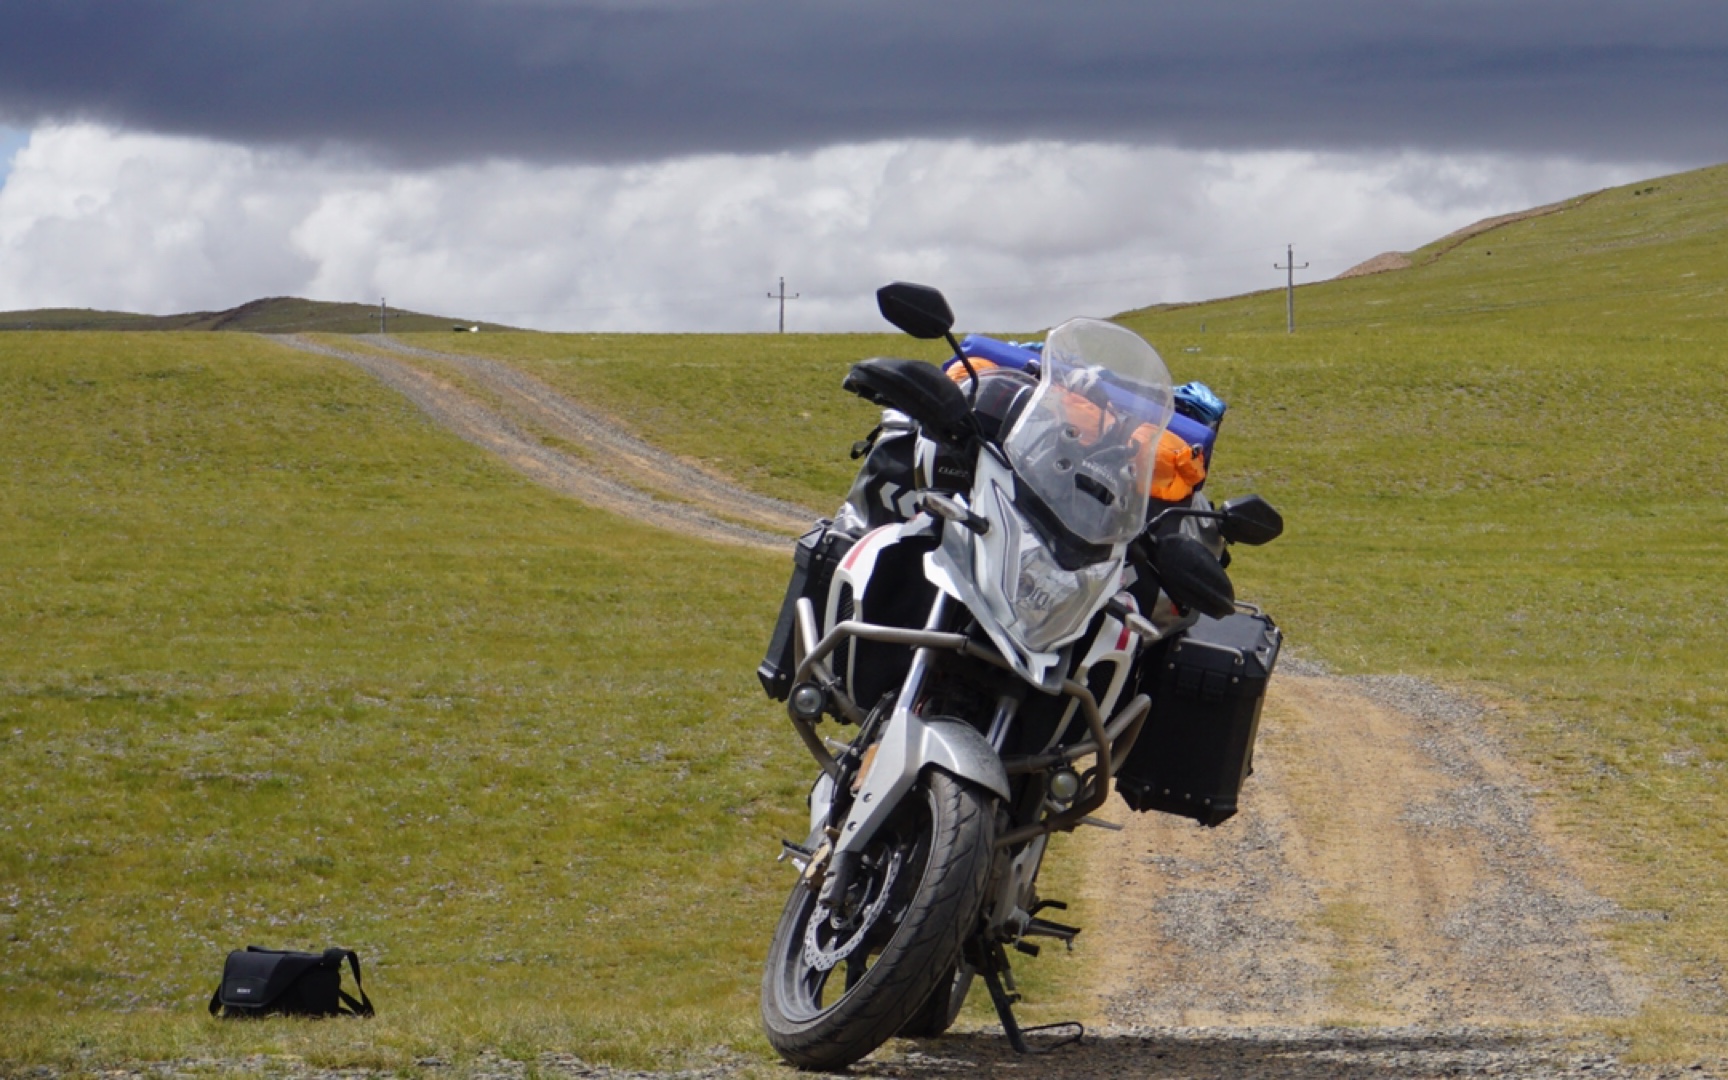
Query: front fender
pixel 909 746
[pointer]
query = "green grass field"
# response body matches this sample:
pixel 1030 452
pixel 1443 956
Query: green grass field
pixel 284 665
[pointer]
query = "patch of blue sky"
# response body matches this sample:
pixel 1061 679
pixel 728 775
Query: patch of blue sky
pixel 12 140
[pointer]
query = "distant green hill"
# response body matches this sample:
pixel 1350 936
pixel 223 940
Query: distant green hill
pixel 275 315
pixel 1644 258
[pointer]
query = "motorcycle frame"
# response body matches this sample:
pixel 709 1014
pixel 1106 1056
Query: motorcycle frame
pixel 955 748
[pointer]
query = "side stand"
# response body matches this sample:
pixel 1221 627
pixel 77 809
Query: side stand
pixel 995 969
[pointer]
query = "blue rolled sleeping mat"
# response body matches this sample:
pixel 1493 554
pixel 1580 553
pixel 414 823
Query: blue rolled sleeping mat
pixel 1199 411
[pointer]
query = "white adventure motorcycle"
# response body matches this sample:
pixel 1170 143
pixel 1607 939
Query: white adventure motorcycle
pixel 1011 641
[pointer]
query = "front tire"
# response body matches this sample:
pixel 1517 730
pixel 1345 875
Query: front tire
pixel 914 898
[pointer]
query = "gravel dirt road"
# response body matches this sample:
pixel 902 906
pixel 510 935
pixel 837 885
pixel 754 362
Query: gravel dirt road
pixel 1390 866
pixel 1391 901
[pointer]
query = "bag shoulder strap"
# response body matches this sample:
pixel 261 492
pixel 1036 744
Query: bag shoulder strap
pixel 363 1007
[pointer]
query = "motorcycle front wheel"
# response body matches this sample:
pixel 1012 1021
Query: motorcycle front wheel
pixel 842 981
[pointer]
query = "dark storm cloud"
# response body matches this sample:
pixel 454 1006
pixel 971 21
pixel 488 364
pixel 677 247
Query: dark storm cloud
pixel 564 80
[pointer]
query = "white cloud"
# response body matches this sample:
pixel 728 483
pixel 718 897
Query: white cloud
pixel 90 218
pixel 1019 236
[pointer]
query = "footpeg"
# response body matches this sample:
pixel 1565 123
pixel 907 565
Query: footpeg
pixel 1045 928
pixel 1036 927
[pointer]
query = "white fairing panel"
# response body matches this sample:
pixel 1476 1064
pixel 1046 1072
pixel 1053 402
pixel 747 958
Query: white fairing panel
pixel 1030 607
pixel 850 578
pixel 910 745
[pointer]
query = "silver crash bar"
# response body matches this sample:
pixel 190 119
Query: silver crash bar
pixel 1117 734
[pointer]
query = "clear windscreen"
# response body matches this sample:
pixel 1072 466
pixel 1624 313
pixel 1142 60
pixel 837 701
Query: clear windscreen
pixel 1085 444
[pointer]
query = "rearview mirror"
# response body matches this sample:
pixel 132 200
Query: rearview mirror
pixel 1251 520
pixel 919 310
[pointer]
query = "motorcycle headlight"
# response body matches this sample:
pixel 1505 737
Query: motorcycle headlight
pixel 1047 606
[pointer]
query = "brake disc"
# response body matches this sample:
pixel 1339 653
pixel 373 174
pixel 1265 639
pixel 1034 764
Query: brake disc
pixel 848 934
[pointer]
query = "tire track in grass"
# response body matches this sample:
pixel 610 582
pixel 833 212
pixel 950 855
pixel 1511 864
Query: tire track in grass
pixel 622 455
pixel 493 431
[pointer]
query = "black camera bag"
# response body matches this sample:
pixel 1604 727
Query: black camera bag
pixel 262 982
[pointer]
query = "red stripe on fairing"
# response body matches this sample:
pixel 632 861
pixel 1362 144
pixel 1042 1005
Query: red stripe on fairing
pixel 858 548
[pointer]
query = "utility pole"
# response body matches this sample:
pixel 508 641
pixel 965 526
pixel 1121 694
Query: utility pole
pixel 1290 286
pixel 782 297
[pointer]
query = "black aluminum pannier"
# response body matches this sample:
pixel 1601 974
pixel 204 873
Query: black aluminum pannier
pixel 818 552
pixel 1207 685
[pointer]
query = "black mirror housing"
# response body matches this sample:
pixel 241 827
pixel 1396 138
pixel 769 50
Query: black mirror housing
pixel 919 310
pixel 1251 520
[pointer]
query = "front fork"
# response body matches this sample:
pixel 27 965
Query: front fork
pixel 909 746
